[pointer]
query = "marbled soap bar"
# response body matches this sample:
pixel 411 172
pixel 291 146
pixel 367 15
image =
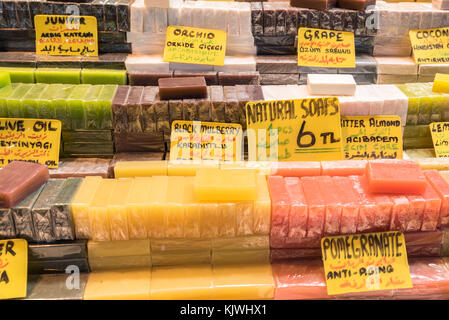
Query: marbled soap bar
pixel 356 4
pixel 314 4
pixel 119 118
pixel 134 109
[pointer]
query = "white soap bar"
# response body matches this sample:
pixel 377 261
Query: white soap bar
pixel 331 84
pixel 149 20
pixel 161 15
pixel 396 65
pixel 233 27
pixel 185 14
pixel 146 63
pixel 147 38
pixel 136 16
pixel 220 16
pixel 157 3
pixel 245 18
pixel 237 64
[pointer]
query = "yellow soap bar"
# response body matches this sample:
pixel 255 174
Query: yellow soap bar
pixel 210 217
pixel 158 207
pixel 441 83
pixel 80 206
pixel 119 263
pixel 138 208
pixel 433 164
pixel 98 211
pixel 229 257
pixel 228 225
pixel 100 249
pixel 262 207
pixel 176 258
pixel 182 283
pixel 174 219
pixel 192 215
pixel 225 185
pixel 241 243
pixel 244 218
pixel 130 169
pixel 181 244
pixel 188 168
pixel 118 218
pixel 243 282
pixel 118 285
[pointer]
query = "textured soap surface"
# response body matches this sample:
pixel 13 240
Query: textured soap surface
pixel 182 88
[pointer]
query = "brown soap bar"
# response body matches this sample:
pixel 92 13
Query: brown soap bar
pixel 217 104
pixel 232 114
pixel 147 79
pixel 236 78
pixel 139 142
pixel 134 110
pixel 18 180
pixel 119 117
pixel 314 4
pixel 190 109
pixel 80 168
pixel 175 108
pixel 182 88
pixel 162 113
pixel 148 120
pixel 356 4
pixel 244 98
pixel 204 106
pixel 210 76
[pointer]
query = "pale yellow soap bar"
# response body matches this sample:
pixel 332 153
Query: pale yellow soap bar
pixel 181 244
pixel 118 218
pixel 186 258
pixel 158 196
pixel 80 206
pixel 241 243
pixel 138 208
pixel 130 169
pixel 174 219
pixel 433 164
pixel 210 218
pixel 119 263
pixel 98 211
pixel 182 283
pixel 243 282
pixel 188 168
pixel 225 185
pixel 100 249
pixel 262 207
pixel 192 215
pixel 229 257
pixel 244 218
pixel 441 83
pixel 228 225
pixel 118 285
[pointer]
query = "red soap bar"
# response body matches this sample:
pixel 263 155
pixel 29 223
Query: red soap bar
pixel 343 167
pixel 296 168
pixel 18 180
pixel 182 88
pixel 356 4
pixel 395 176
pixel 442 188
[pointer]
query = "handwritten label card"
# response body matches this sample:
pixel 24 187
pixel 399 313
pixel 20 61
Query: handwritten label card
pixel 294 130
pixel 13 268
pixel 370 138
pixel 430 46
pixel 195 45
pixel 31 140
pixel 365 262
pixel 325 48
pixel 196 140
pixel 58 35
pixel 440 138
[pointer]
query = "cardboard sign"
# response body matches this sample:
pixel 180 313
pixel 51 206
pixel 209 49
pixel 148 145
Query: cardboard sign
pixel 325 48
pixel 365 262
pixel 294 130
pixel 58 35
pixel 196 140
pixel 13 268
pixel 440 138
pixel 195 46
pixel 430 46
pixel 370 138
pixel 32 140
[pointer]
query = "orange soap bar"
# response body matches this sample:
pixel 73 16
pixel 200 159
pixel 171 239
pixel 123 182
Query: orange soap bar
pixel 432 209
pixel 395 176
pixel 280 209
pixel 297 221
pixel 442 188
pixel 343 167
pixel 368 208
pixel 317 208
pixel 333 205
pixel 415 217
pixel 296 168
pixel 350 201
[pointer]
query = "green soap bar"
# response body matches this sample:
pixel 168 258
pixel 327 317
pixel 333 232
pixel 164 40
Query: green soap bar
pixel 5 92
pixel 20 75
pixel 94 113
pixel 75 106
pixel 13 102
pixel 59 103
pixel 416 131
pixel 58 75
pixel 418 143
pixel 105 103
pixel 103 76
pixel 45 100
pixel 87 135
pixel 88 147
pixel 5 79
pixel 30 102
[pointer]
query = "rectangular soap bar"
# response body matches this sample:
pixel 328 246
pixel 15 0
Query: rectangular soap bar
pixel 397 176
pixel 441 83
pixel 5 79
pixel 442 188
pixel 314 4
pixel 102 76
pixel 18 180
pixel 100 228
pixel 356 4
pixel 58 75
pixel 331 84
pixel 118 219
pixel 225 185
pixel 129 169
pixel 182 88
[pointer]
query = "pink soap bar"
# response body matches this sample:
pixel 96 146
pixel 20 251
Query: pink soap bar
pixel 415 218
pixel 298 212
pixel 368 209
pixel 432 210
pixel 333 205
pixel 296 168
pixel 400 213
pixel 280 210
pixel 317 209
pixel 442 188
pixel 343 167
pixel 350 209
pixel 395 176
pixel 18 180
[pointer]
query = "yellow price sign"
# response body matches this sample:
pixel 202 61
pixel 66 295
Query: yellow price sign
pixel 371 137
pixel 365 262
pixel 326 48
pixel 195 46
pixel 430 46
pixel 32 140
pixel 440 138
pixel 196 140
pixel 13 268
pixel 294 130
pixel 59 35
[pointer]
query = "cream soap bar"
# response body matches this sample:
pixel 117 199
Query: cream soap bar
pixel 331 84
